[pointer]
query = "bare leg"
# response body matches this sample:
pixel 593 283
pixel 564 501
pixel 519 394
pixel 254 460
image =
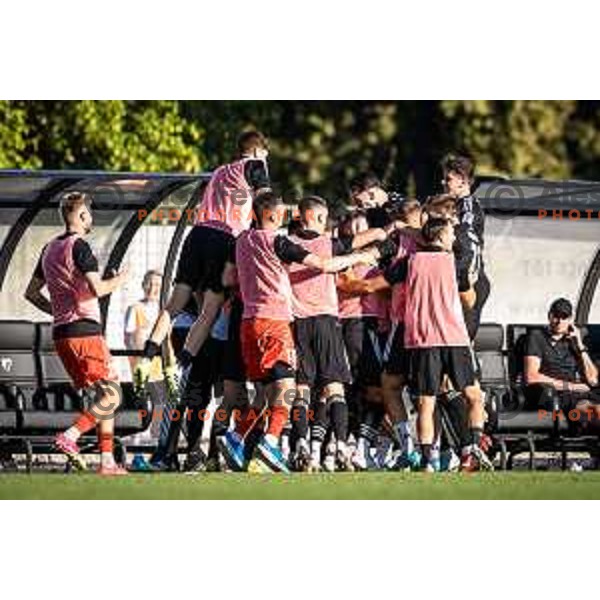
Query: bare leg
pixel 177 301
pixel 200 330
pixel 476 412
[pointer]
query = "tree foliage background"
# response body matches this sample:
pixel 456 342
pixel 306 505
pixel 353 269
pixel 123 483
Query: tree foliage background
pixel 316 145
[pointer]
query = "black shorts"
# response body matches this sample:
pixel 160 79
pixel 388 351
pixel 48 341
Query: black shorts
pixel 233 361
pixel 396 358
pixel 203 257
pixel 429 365
pixel 364 348
pixel 207 366
pixel 321 351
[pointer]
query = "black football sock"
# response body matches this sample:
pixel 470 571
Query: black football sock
pixel 299 419
pixel 425 454
pixel 475 434
pixel 319 426
pixel 338 417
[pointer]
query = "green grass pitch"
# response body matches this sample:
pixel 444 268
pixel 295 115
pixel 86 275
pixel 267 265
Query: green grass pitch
pixel 511 485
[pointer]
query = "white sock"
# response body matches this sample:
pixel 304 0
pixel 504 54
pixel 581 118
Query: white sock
pixel 72 433
pixel 271 439
pixel 435 449
pixel 404 433
pixel 315 448
pixel 363 445
pixel 301 443
pixel 107 459
pixel 285 445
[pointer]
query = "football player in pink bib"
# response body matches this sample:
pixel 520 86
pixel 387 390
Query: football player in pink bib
pixel 224 212
pixel 70 272
pixel 268 347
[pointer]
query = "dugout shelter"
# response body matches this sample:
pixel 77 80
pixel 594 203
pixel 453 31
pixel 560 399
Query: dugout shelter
pixel 541 243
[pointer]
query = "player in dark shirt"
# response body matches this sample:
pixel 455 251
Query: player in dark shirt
pixel 556 357
pixel 458 177
pixel 367 193
pixel 255 172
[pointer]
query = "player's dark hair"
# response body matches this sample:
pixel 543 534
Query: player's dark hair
pixel 406 208
pixel 294 225
pixel 461 163
pixel 442 205
pixel 309 204
pixel 346 222
pixel 561 308
pixel 265 204
pixel 363 182
pixel 433 229
pixel 251 140
pixel 72 202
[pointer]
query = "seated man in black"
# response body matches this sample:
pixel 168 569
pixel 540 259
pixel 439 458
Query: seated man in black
pixel 556 359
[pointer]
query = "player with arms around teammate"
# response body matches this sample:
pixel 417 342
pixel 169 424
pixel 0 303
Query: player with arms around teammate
pixel 266 333
pixel 437 337
pixel 395 355
pixel 225 211
pixel 322 360
pixel 365 323
pixel 69 269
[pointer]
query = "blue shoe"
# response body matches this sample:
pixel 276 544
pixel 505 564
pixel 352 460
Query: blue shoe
pixel 271 456
pixel 231 446
pixel 406 461
pixel 165 464
pixel 140 464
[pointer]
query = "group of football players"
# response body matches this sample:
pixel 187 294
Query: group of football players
pixel 342 327
pixel 321 338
